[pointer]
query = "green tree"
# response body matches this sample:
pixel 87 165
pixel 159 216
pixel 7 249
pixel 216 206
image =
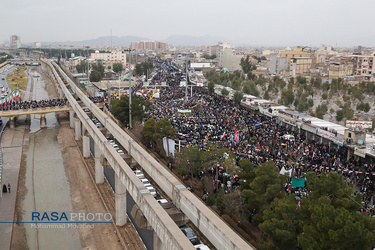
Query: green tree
pixel 148 131
pixel 208 57
pixel 321 110
pixel 120 108
pixel 117 67
pixel 287 97
pixel 265 187
pixel 301 80
pixel 280 223
pixel 247 174
pixel 237 98
pixel 339 115
pixel 97 72
pixel 220 200
pixel 143 68
pixel 326 87
pixel 266 95
pixel 249 87
pixel 246 65
pixel 189 161
pixel 224 92
pixel 164 128
pixel 211 87
pixel 330 217
pixel 82 67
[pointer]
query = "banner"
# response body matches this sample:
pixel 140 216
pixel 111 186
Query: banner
pixel 359 124
pixel 184 111
pixel 298 182
pixel 330 136
pixel 169 147
pixel 283 171
pixel 361 152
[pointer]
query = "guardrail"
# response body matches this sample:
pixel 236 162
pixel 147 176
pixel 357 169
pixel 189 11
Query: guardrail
pixel 211 225
pixel 1 157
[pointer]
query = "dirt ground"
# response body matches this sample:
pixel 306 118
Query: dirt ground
pixel 84 195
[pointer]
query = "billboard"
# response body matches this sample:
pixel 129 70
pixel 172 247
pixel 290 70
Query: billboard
pixel 361 152
pixel 358 124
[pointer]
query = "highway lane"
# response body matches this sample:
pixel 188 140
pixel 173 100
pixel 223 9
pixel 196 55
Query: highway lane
pixel 7 69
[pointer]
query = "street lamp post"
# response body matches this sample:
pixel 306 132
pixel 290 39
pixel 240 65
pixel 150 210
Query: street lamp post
pixel 119 81
pixel 130 88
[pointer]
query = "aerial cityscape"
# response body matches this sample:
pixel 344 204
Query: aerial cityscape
pixel 197 125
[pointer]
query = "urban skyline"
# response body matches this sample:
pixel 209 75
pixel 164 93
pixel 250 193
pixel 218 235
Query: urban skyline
pixel 271 23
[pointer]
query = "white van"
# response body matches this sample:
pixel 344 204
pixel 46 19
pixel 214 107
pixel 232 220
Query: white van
pixel 288 137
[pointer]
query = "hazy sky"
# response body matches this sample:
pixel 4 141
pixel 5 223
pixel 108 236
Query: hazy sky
pixel 250 22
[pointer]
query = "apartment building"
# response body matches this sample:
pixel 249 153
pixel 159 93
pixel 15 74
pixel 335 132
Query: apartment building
pixel 220 46
pixel 341 69
pixel 150 45
pixel 300 65
pixel 108 59
pixel 278 64
pixel 300 52
pixel 230 59
pixel 15 42
pixel 364 66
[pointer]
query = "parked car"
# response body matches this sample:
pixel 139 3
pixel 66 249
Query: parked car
pixel 120 152
pixel 152 190
pixel 146 182
pixel 190 235
pixel 162 201
pixel 201 247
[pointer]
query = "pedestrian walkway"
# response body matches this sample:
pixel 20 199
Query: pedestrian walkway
pixel 11 150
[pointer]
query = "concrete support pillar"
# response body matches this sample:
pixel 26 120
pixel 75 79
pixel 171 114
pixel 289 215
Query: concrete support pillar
pixel 43 121
pixel 12 121
pixel 99 170
pixel 120 196
pixel 71 117
pixel 61 93
pixel 158 244
pixel 77 127
pixel 86 145
pixel 348 154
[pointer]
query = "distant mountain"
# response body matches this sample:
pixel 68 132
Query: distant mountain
pixel 116 41
pixel 102 41
pixel 174 40
pixel 187 40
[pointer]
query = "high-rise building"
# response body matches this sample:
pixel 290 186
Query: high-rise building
pixel 15 42
pixel 149 45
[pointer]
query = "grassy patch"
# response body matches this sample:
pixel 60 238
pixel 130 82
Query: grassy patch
pixel 18 79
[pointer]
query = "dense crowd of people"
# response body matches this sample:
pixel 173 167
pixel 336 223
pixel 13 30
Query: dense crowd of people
pixel 250 135
pixel 18 104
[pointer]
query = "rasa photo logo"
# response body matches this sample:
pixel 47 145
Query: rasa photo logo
pixel 71 217
pixel 60 220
